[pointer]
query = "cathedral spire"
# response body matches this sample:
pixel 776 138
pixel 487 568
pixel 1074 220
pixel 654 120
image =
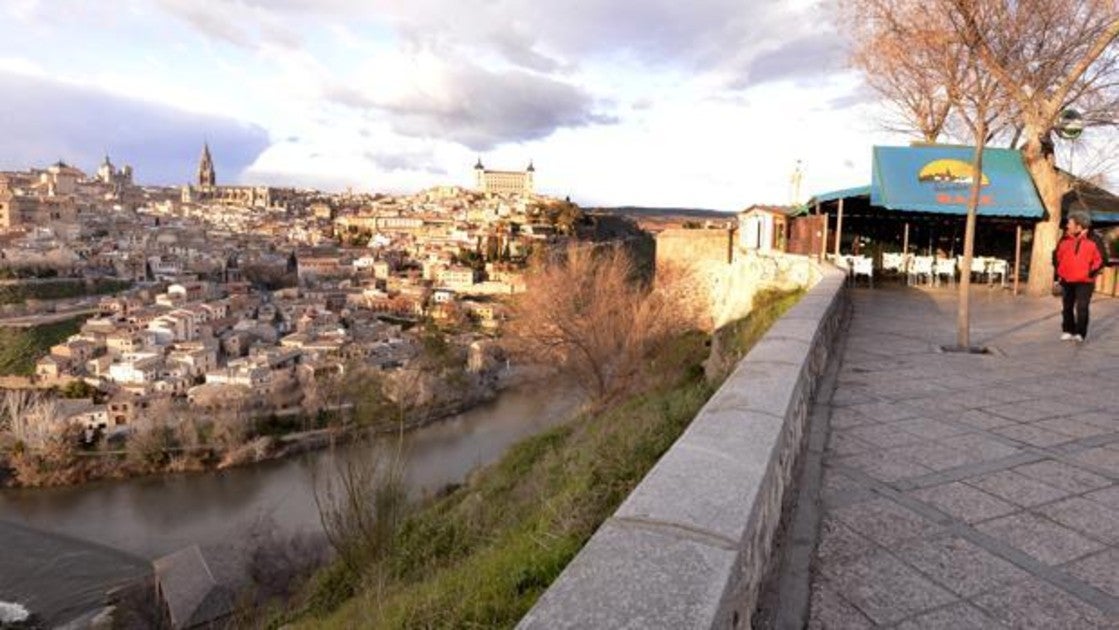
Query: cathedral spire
pixel 206 177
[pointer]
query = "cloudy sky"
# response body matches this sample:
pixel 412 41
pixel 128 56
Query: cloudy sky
pixel 707 103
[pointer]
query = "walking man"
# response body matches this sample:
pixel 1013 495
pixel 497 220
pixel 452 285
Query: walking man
pixel 1078 259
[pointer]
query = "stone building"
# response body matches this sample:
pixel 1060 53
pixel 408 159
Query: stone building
pixel 505 182
pixel 110 175
pixel 206 189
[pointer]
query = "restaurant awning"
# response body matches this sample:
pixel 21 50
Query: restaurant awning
pixel 937 179
pixel 1099 203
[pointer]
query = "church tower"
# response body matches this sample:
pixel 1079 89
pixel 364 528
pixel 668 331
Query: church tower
pixel 479 175
pixel 206 178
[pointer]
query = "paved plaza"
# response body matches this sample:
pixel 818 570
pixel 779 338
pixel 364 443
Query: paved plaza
pixel 970 491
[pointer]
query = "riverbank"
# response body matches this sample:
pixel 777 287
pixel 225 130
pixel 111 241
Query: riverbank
pixel 57 466
pixel 229 513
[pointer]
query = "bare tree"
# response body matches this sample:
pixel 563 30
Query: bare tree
pixel 15 412
pixel 587 314
pixel 899 55
pixel 1046 55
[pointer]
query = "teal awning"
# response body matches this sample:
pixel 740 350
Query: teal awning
pixel 938 179
pixel 858 191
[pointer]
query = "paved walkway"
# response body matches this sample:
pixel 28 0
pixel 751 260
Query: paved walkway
pixel 966 491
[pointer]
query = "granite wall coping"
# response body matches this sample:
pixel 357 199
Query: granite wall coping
pixel 689 547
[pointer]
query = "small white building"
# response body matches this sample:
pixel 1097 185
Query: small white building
pixel 764 228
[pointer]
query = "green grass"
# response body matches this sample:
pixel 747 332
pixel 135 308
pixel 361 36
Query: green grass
pixel 20 348
pixel 481 556
pixel 19 293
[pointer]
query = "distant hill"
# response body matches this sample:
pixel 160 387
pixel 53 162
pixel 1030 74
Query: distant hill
pixel 657 219
pixel 639 212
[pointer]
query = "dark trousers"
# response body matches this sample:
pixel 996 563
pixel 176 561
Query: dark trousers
pixel 1076 296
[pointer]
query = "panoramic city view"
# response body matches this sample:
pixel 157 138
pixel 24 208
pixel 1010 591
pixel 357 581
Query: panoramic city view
pixel 431 314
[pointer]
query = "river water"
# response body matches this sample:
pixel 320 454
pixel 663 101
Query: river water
pixel 151 517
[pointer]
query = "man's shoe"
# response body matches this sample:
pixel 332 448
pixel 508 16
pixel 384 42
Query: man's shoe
pixel 1078 339
pixel 1067 336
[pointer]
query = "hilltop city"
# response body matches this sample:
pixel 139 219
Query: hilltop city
pixel 243 295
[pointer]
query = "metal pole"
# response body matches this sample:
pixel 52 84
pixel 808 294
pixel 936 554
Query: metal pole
pixel 905 240
pixel 839 226
pixel 1017 257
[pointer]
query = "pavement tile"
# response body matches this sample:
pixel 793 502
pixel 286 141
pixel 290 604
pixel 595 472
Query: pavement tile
pixel 1102 419
pixel 1107 496
pixel 959 616
pixel 961 566
pixel 1092 519
pixel 844 418
pixel 983 420
pixel 1033 410
pixel 1100 570
pixel 1072 426
pixel 979 446
pixel 843 443
pixel 1016 488
pixel 1033 435
pixel 877 561
pixel 884 435
pixel 933 399
pixel 928 428
pixel 928 394
pixel 838 542
pixel 1032 603
pixel 884 467
pixel 1103 458
pixel 1039 537
pixel 885 522
pixel 828 611
pixel 996 394
pixel 964 502
pixel 844 397
pixel 884 588
pixel 935 456
pixel 884 411
pixel 836 481
pixel 1063 476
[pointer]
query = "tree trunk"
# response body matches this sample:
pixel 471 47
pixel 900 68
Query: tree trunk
pixel 963 309
pixel 1051 186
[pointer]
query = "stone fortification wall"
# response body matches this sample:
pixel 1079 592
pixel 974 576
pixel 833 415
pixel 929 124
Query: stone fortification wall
pixel 724 278
pixel 689 547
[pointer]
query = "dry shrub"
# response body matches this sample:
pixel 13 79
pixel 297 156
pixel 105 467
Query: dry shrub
pixel 360 501
pixel 587 313
pixel 279 564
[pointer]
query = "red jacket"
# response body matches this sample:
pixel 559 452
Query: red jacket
pixel 1079 258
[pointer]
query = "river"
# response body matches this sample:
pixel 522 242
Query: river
pixel 151 517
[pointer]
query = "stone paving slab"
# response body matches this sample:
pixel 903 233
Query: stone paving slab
pixel 968 491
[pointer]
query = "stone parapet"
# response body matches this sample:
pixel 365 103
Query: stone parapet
pixel 690 547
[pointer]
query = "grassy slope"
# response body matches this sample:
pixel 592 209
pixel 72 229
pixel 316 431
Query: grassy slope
pixel 480 557
pixel 20 348
pixel 18 293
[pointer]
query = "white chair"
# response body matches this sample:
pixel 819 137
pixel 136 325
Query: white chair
pixel 979 266
pixel 894 262
pixel 921 266
pixel 863 266
pixel 997 267
pixel 944 267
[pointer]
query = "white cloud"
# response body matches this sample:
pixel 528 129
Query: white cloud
pixel 706 103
